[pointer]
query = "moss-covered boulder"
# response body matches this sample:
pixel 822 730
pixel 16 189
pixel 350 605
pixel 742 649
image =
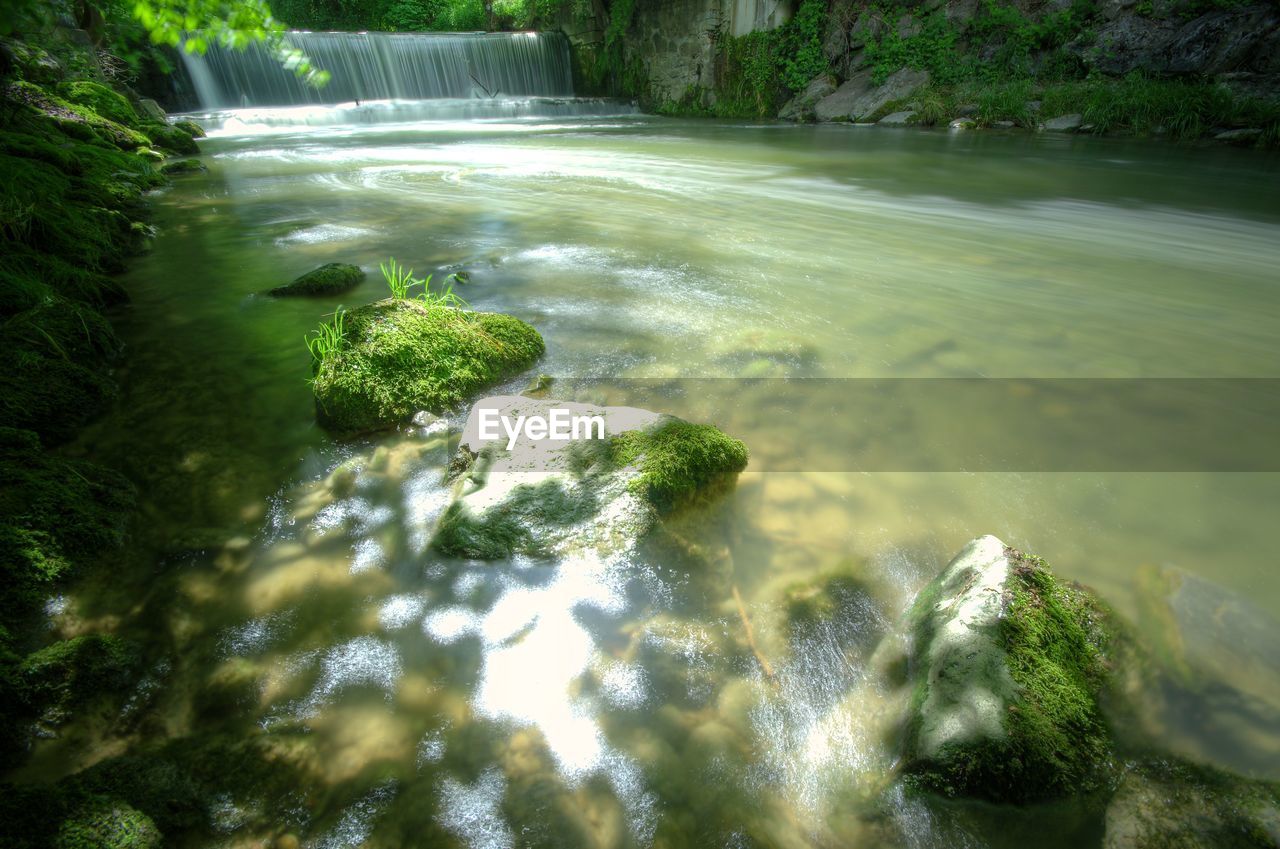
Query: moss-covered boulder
pixel 195 166
pixel 171 137
pixel 31 62
pixel 397 358
pixel 333 278
pixel 106 823
pixel 553 495
pixel 53 512
pixel 190 127
pixel 1170 804
pixel 1008 665
pixel 77 120
pixel 72 672
pixel 106 102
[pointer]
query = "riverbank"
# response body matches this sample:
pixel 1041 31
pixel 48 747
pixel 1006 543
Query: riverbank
pixel 78 158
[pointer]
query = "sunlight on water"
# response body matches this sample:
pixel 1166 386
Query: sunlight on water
pixel 614 702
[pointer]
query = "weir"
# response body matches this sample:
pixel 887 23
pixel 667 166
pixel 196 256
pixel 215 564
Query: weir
pixel 380 66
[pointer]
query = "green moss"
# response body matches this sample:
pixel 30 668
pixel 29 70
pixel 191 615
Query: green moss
pixel 504 529
pixel 75 119
pixel 102 100
pixel 676 459
pixel 331 279
pixel 105 823
pixel 183 166
pixel 1056 742
pixel 400 357
pixel 191 128
pixel 170 137
pixel 56 512
pixel 72 672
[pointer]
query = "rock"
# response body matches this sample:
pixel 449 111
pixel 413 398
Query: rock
pixel 898 119
pixel 838 105
pixel 333 278
pixel 562 495
pixel 800 107
pixel 107 823
pixel 1238 136
pixel 32 63
pixel 193 166
pixel 397 358
pixel 1170 803
pixel 900 84
pixel 1219 41
pixel 151 109
pixel 962 124
pixel 170 137
pixel 858 99
pixel 1002 125
pixel 106 102
pixel 1063 123
pixel 1007 666
pixel 190 127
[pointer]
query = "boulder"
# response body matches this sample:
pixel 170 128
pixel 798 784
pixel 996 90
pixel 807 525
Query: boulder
pixel 396 358
pixel 839 104
pixel 1063 123
pixel 333 278
pixel 1244 136
pixel 800 107
pixel 150 109
pixel 1171 803
pixel 962 124
pixel 1007 666
pixel 898 119
pixel 858 99
pixel 600 491
pixel 195 166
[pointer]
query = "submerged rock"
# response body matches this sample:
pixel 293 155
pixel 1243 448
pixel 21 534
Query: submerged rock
pixel 899 119
pixel 1007 666
pixel 195 166
pixel 1169 803
pixel 106 823
pixel 563 495
pixel 398 358
pixel 333 278
pixel 1063 123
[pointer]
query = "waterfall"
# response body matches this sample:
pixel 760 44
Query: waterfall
pixel 380 66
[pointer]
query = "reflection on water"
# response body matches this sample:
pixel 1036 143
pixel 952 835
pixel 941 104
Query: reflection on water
pixel 727 682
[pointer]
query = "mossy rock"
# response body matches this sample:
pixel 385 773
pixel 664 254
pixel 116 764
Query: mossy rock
pixel 107 103
pixel 169 137
pixel 105 823
pixel 1171 804
pixel 190 127
pixel 1008 666
pixel 32 62
pixel 55 512
pixel 563 496
pixel 72 672
pixel 398 358
pixel 75 119
pixel 185 166
pixel 333 278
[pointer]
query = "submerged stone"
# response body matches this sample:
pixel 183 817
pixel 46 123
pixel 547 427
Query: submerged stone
pixel 333 278
pixel 1169 803
pixel 1008 664
pixel 398 358
pixel 106 823
pixel 546 496
pixel 195 166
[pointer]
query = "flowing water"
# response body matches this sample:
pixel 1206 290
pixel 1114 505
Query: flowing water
pixel 688 267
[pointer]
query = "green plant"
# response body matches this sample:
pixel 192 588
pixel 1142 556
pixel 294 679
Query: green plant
pixel 444 298
pixel 399 279
pixel 327 339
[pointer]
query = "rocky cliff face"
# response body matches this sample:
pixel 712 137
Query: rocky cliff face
pixel 663 50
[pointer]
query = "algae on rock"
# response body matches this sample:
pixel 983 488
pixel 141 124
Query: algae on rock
pixel 564 496
pixel 1008 664
pixel 331 278
pixel 400 357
